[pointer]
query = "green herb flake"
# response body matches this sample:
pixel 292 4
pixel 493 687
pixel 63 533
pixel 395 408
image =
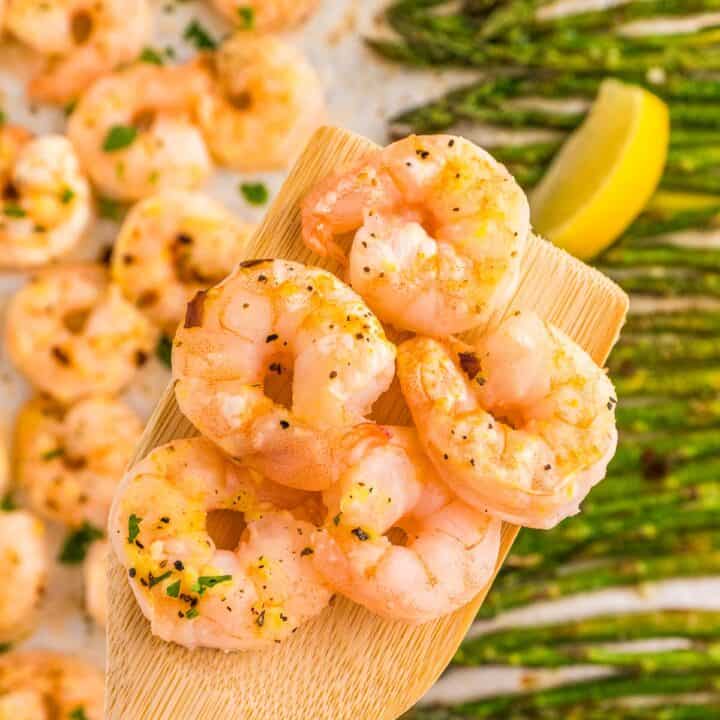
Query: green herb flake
pixel 133 527
pixel 199 36
pixel 163 351
pixel 78 714
pixel 3 117
pixel 246 18
pixel 52 454
pixel 110 209
pixel 157 580
pixel 67 195
pixel 119 137
pixel 152 56
pixel 69 109
pixel 173 590
pixel 8 504
pixel 78 543
pixel 191 613
pixel 205 582
pixel 255 193
pixel 14 211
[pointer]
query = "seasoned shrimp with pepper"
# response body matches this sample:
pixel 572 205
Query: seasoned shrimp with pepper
pixel 79 40
pixel 194 593
pixel 265 101
pixel 73 335
pixel 396 540
pixel 45 198
pixel 521 424
pixel 266 15
pixel 438 230
pixel 135 134
pixel 40 685
pixel 171 246
pixel 23 570
pixel 271 318
pixel 68 460
pixel 95 570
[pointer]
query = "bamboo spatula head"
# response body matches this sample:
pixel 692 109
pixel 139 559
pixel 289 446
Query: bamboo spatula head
pixel 347 664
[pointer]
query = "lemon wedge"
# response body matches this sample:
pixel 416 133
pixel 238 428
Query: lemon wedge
pixel 605 173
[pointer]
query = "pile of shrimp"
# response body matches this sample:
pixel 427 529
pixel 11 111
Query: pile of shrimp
pixel 517 426
pixel 279 367
pixel 146 132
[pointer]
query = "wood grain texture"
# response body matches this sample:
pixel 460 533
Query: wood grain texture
pixel 347 664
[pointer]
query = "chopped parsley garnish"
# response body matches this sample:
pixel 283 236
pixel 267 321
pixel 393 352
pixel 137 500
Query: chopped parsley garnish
pixel 246 18
pixel 69 109
pixel 67 195
pixel 78 714
pixel 133 527
pixel 163 351
pixel 152 56
pixel 255 193
pixel 3 118
pixel 209 581
pixel 77 544
pixel 199 36
pixel 14 211
pixel 173 590
pixel 192 613
pixel 110 209
pixel 119 137
pixel 54 453
pixel 7 504
pixel 157 580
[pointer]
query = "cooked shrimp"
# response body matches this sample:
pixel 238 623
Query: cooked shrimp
pixel 68 460
pixel 194 593
pixel 45 198
pixel 266 15
pixel 23 568
pixel 439 228
pixel 522 424
pixel 265 102
pixel 171 246
pixel 73 335
pixel 397 542
pixel 80 40
pixel 271 317
pixel 62 685
pixel 134 132
pixel 96 586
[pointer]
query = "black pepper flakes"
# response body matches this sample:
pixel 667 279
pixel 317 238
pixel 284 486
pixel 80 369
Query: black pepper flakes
pixel 271 338
pixel 470 364
pixel 195 310
pixel 253 263
pixel 60 355
pixel 360 534
pixel 284 424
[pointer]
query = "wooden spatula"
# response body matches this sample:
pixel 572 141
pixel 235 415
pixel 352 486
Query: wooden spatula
pixel 348 664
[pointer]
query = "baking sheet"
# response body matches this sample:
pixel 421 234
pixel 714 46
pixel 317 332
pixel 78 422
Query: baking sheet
pixel 362 92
